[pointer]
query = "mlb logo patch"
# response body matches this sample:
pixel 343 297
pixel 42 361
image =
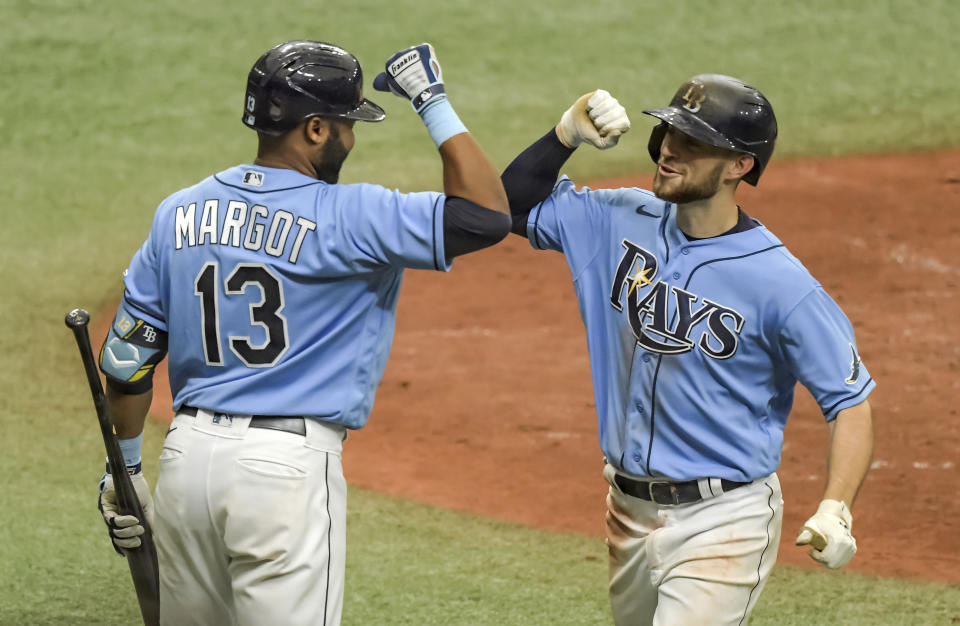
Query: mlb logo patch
pixel 252 178
pixel 222 419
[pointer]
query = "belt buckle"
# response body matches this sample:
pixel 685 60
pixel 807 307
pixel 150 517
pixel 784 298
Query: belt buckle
pixel 674 492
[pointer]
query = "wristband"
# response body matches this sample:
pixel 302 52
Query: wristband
pixel 131 470
pixel 441 120
pixel 131 449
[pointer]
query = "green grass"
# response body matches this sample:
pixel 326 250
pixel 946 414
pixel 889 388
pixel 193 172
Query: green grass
pixel 420 565
pixel 413 564
pixel 107 107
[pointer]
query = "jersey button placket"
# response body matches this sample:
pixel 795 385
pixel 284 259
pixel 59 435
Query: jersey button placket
pixel 641 415
pixel 639 402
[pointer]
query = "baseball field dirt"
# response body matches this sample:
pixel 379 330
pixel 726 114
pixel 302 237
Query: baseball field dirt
pixel 486 405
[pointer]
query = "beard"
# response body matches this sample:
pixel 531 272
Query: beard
pixel 684 191
pixel 331 157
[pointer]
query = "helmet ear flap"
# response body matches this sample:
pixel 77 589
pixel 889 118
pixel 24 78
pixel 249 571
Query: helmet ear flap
pixel 656 140
pixel 753 175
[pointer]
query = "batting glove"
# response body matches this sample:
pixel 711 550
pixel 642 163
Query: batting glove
pixel 413 73
pixel 597 118
pixel 828 531
pixel 125 530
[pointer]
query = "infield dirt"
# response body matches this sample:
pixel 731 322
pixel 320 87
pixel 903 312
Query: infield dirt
pixel 487 406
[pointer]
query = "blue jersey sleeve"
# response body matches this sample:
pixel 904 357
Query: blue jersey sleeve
pixel 376 226
pixel 819 346
pixel 141 280
pixel 570 221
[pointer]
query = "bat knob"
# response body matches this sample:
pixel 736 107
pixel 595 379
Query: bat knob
pixel 77 318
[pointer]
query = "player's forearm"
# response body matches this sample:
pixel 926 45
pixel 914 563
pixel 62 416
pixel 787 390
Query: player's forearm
pixel 414 73
pixel 467 173
pixel 851 450
pixel 530 178
pixel 128 412
pixel 596 118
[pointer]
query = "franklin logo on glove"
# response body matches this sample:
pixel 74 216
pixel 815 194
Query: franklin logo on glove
pixel 404 61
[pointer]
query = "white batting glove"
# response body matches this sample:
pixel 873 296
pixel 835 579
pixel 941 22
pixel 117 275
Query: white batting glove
pixel 413 73
pixel 125 530
pixel 828 531
pixel 596 118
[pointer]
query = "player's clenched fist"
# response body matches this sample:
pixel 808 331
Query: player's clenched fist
pixel 597 118
pixel 413 73
pixel 828 531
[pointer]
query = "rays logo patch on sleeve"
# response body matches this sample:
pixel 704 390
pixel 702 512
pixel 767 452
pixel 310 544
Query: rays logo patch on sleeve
pixel 854 366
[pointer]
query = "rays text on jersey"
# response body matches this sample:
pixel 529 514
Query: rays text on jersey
pixel 253 227
pixel 664 316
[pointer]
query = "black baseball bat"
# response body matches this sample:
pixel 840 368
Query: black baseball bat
pixel 143 559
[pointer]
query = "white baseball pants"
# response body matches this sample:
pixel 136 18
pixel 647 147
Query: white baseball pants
pixel 250 523
pixel 700 563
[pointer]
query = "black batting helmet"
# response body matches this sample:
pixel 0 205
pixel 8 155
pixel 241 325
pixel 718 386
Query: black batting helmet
pixel 300 79
pixel 721 111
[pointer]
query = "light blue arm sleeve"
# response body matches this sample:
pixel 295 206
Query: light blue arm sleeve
pixel 819 345
pixel 375 226
pixel 570 221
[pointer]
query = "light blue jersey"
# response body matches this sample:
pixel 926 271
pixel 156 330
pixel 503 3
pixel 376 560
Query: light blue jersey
pixel 695 346
pixel 279 291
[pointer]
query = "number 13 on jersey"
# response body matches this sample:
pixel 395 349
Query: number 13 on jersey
pixel 265 313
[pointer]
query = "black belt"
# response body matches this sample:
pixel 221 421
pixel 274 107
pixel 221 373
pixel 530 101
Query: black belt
pixel 285 423
pixel 666 492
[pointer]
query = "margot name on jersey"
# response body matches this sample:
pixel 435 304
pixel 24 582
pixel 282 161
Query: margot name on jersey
pixel 242 225
pixel 663 326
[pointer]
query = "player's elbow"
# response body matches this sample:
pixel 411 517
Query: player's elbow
pixel 492 230
pixel 498 228
pixel 469 227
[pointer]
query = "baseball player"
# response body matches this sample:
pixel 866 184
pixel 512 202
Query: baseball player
pixel 274 289
pixel 699 325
